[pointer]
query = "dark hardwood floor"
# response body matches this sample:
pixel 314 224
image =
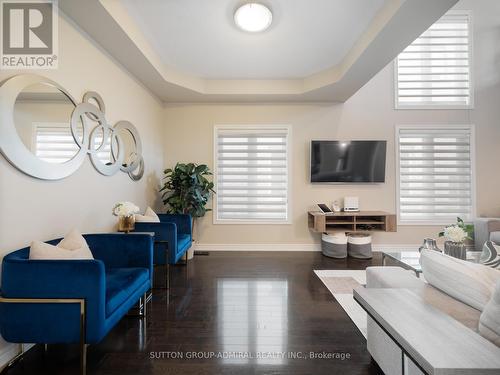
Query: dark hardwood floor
pixel 228 304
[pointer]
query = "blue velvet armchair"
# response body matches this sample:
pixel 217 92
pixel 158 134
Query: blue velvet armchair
pixel 71 301
pixel 174 231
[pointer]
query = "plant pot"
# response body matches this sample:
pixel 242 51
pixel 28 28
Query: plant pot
pixel 126 223
pixel 455 249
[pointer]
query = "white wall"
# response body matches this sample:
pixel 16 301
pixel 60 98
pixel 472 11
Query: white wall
pixel 369 114
pixel 33 209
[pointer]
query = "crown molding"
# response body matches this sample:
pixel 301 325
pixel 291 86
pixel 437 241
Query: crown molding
pixel 394 27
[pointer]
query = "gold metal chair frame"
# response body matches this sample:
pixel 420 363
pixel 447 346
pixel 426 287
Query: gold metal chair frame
pixel 83 316
pixel 80 301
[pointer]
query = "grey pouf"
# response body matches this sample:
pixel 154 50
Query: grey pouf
pixel 334 245
pixel 359 245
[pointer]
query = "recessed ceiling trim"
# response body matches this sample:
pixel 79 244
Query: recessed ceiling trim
pixel 396 25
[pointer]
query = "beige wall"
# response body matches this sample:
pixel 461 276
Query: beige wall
pixel 369 114
pixel 35 209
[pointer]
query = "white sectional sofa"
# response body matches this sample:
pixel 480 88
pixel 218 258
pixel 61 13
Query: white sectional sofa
pixel 486 229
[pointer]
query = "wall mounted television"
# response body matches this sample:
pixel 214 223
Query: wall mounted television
pixel 348 161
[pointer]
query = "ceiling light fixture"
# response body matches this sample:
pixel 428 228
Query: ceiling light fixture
pixel 253 17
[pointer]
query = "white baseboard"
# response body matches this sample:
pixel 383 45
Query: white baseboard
pixel 257 247
pixel 291 247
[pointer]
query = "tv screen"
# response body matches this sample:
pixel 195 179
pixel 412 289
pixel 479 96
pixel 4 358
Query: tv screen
pixel 348 161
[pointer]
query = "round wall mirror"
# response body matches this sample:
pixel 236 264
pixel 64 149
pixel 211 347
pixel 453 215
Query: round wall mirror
pixel 42 116
pixel 46 134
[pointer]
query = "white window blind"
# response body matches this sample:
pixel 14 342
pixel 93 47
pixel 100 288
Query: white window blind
pixel 435 70
pixel 54 143
pixel 252 174
pixel 435 174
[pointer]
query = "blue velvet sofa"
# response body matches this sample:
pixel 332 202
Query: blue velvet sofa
pixel 71 301
pixel 174 231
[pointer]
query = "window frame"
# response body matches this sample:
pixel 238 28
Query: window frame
pixel 472 152
pixel 288 220
pixel 398 106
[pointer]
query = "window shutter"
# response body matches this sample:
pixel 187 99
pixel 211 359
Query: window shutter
pixel 54 143
pixel 252 174
pixel 435 174
pixel 435 70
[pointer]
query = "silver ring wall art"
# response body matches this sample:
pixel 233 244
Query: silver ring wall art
pixel 46 134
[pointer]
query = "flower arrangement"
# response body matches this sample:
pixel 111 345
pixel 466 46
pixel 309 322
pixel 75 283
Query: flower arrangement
pixel 454 233
pixel 458 232
pixel 125 209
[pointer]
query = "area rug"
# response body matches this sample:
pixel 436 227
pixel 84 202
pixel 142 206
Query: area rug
pixel 341 283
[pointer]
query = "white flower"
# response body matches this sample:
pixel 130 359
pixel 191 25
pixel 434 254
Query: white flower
pixel 454 233
pixel 125 209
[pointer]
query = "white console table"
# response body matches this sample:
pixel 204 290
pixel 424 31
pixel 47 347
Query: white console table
pixel 435 343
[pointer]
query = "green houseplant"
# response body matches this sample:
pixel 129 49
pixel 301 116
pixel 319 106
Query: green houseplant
pixel 186 189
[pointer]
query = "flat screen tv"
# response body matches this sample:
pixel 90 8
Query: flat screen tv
pixel 348 161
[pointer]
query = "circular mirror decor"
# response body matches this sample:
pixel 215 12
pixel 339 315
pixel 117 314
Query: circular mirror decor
pixel 46 134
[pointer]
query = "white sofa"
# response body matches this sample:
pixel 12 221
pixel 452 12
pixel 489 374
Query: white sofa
pixel 482 317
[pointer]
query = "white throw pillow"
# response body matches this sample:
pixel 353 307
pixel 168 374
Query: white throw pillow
pixel 489 322
pixel 73 241
pixel 73 246
pixel 149 217
pixel 467 282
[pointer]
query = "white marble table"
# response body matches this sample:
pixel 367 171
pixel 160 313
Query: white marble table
pixel 435 342
pixel 410 260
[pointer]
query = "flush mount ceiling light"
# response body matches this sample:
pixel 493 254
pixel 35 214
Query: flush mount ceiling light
pixel 253 17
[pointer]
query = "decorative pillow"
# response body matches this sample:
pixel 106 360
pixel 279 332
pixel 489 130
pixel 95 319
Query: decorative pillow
pixel 73 241
pixel 491 255
pixel 73 246
pixel 489 322
pixel 467 282
pixel 149 217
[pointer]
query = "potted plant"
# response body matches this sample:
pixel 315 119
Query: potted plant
pixel 186 190
pixel 455 236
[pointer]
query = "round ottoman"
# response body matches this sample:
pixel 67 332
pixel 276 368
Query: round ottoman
pixel 359 245
pixel 334 245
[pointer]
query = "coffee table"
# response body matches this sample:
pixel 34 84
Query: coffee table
pixel 410 259
pixel 428 339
